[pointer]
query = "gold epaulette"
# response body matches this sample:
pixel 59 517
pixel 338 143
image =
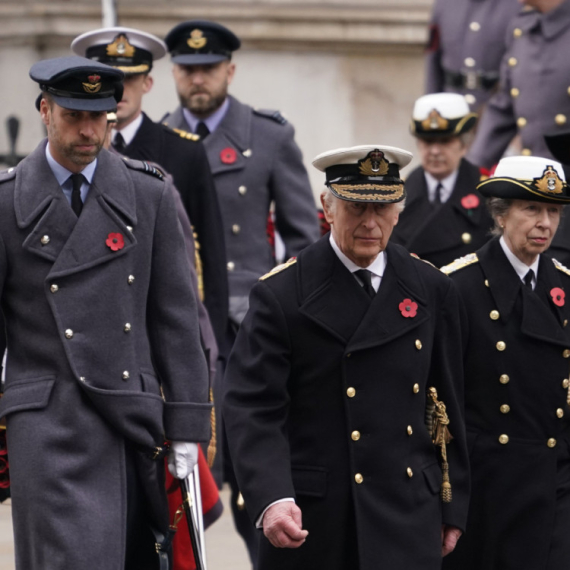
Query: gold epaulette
pixel 279 268
pixel 424 260
pixel 561 267
pixel 183 134
pixel 460 263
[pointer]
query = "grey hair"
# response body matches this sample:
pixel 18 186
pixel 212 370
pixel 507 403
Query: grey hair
pixel 331 200
pixel 498 207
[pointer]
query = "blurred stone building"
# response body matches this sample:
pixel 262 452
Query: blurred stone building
pixel 344 72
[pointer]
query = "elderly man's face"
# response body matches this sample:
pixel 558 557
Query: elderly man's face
pixel 361 230
pixel 441 156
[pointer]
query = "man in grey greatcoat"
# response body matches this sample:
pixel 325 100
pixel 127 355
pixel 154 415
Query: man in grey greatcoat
pixel 104 358
pixel 255 161
pixel 534 93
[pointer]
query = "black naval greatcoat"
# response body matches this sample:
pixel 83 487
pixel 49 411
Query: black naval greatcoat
pixel 517 416
pixel 326 403
pixel 440 234
pixel 186 161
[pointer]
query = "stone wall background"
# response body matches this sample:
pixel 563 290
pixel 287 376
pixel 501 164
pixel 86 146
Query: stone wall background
pixel 344 72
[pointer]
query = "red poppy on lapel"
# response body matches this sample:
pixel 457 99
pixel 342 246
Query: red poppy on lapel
pixel 228 155
pixel 557 295
pixel 408 308
pixel 115 242
pixel 4 466
pixel 470 201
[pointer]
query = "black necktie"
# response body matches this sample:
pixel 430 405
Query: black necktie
pixel 366 277
pixel 76 201
pixel 202 130
pixel 119 143
pixel 528 279
pixel 437 195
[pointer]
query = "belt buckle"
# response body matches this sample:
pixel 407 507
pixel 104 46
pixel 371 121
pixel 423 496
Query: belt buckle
pixel 471 80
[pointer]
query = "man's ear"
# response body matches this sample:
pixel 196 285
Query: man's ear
pixel 45 111
pixel 328 211
pixel 148 83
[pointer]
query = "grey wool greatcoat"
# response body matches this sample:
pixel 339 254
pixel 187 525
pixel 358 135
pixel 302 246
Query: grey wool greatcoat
pixel 517 416
pixel 533 97
pixel 254 160
pixel 326 402
pixel 103 348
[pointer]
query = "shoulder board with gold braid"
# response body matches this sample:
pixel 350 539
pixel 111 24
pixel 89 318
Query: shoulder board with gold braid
pixel 561 267
pixel 279 268
pixel 143 166
pixel 460 263
pixel 424 260
pixel 182 133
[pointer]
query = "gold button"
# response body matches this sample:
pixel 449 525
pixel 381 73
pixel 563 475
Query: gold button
pixel 486 283
pixel 551 442
pixel 504 439
pixel 474 26
pixel 505 409
pixel 512 61
pixel 526 152
pixel 559 413
pixel 82 378
pixel 470 99
pixel 419 344
pixel 566 353
pixel 504 379
pixel 501 346
pixel 127 327
pixel 54 288
pixel 351 392
pixel 45 240
pixel 521 122
pixel 68 333
pixel 560 119
pixel 355 435
pixel 517 33
pixel 130 228
pixel 231 265
pixel 410 430
pixel 410 472
pixel 131 279
pixel 358 478
pixel 242 190
pixel 236 229
pixel 126 375
pixel 466 237
pixel 565 322
pixel 469 62
pixel 416 388
pixel 515 92
pixel 565 383
pixel 494 315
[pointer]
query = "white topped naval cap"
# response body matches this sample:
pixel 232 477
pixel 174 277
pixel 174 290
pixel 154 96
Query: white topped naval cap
pixel 526 167
pixel 441 114
pixel 365 173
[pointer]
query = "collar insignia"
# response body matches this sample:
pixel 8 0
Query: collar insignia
pixel 435 122
pixel 374 164
pixel 550 182
pixel 197 39
pixel 121 47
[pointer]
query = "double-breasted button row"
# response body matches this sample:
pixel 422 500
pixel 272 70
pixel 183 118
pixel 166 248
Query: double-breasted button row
pixel 501 346
pixel 45 240
pixel 68 333
pixel 54 288
pixel 351 392
pixel 355 435
pixel 560 119
pixel 466 237
pixel 126 375
pixel 128 327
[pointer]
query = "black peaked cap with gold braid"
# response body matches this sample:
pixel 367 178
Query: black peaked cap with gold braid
pixel 366 173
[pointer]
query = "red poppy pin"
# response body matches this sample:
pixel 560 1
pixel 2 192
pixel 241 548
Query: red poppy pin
pixel 408 308
pixel 470 201
pixel 228 155
pixel 115 242
pixel 557 295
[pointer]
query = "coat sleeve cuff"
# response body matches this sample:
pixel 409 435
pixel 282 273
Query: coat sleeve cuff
pixel 187 421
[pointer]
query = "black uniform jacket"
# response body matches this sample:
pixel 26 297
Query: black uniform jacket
pixel 442 234
pixel 326 403
pixel 186 161
pixel 518 421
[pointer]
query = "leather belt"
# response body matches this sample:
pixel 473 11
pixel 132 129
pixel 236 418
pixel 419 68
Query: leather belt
pixel 471 79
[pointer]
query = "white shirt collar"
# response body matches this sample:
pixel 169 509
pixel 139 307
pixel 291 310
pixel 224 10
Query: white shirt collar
pixel 377 267
pixel 211 122
pixel 128 133
pixel 447 183
pixel 520 267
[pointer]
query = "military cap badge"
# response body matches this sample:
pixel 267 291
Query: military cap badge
pixel 197 39
pixel 374 164
pixel 435 121
pixel 121 47
pixel 550 182
pixel 94 85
